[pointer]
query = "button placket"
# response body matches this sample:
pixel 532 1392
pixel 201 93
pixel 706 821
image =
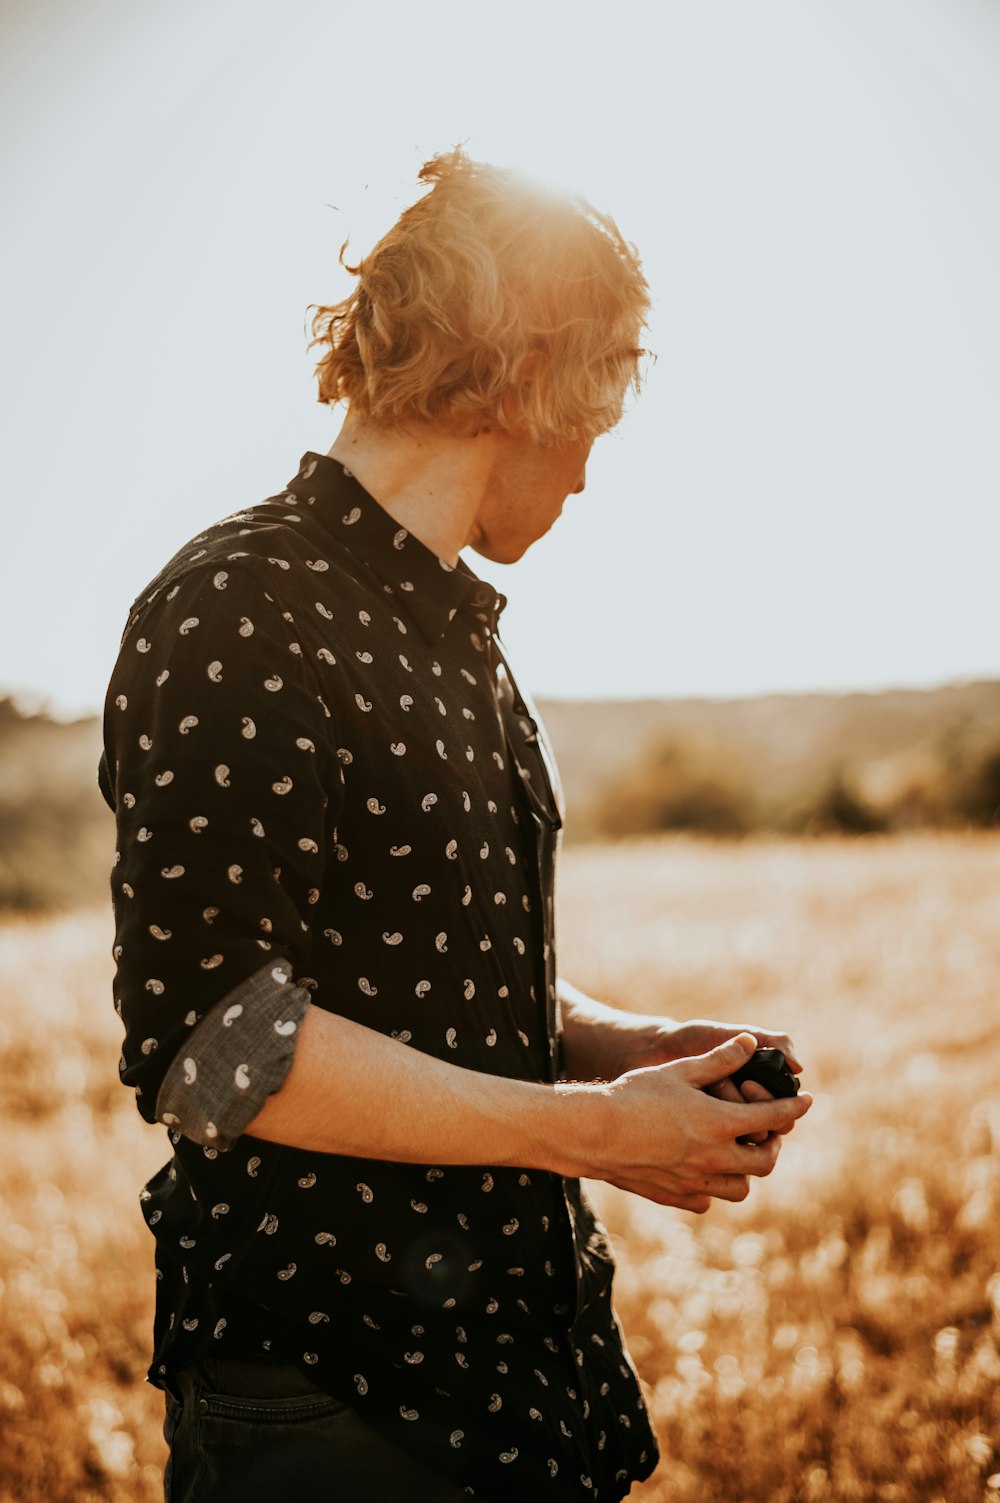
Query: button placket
pixel 547 821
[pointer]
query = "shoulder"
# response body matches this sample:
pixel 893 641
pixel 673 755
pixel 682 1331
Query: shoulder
pixel 240 555
pixel 235 616
pixel 215 613
pixel 212 646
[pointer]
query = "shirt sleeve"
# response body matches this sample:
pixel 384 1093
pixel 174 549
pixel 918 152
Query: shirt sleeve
pixel 237 1056
pixel 222 769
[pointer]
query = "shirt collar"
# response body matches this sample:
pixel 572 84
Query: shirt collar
pixel 430 591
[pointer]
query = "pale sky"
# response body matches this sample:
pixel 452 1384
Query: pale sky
pixel 805 495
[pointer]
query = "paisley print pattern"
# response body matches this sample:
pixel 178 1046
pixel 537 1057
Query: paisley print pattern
pixel 329 788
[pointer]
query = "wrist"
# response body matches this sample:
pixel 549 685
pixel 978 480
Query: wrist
pixel 648 1040
pixel 637 1042
pixel 655 1042
pixel 562 1128
pixel 601 1043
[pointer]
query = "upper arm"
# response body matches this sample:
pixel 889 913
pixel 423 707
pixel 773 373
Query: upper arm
pixel 227 797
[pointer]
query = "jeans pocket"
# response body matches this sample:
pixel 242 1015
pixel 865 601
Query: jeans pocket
pixel 283 1409
pixel 238 1429
pixel 260 1393
pixel 256 1447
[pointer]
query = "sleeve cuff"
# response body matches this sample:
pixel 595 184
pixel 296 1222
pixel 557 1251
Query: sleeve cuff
pixel 237 1056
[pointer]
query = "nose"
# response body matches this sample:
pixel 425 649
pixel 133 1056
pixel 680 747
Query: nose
pixel 581 483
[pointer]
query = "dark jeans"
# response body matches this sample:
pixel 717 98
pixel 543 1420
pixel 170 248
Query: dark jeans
pixel 254 1432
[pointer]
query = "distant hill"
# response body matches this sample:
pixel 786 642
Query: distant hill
pixel 795 763
pixel 905 756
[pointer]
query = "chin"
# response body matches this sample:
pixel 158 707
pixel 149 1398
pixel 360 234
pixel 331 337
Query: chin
pixel 499 553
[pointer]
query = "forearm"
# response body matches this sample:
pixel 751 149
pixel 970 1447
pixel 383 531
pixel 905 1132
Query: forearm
pixel 351 1090
pixel 601 1042
pixel 656 1133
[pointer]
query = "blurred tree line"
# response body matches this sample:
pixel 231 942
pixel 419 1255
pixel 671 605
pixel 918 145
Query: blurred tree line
pixel 711 788
pixel 795 765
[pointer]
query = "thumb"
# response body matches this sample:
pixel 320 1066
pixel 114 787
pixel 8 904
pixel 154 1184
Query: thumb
pixel 706 1069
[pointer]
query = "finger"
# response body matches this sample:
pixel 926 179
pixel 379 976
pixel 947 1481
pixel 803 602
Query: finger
pixel 775 1116
pixel 716 1064
pixel 662 1196
pixel 733 1187
pixel 783 1042
pixel 724 1090
pixel 742 1158
pixel 791 1058
pixel 752 1090
pixel 757 1158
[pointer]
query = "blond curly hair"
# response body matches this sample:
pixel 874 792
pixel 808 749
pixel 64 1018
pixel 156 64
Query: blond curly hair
pixel 491 298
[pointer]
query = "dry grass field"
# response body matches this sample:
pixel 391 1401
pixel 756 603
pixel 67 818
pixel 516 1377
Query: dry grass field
pixel 836 1337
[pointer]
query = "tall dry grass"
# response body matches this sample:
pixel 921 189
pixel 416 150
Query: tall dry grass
pixel 837 1337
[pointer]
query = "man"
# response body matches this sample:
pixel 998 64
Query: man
pixel 377 1275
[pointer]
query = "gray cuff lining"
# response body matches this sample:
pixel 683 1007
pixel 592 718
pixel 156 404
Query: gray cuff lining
pixel 237 1056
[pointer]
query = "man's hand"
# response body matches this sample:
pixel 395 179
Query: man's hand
pixel 603 1043
pixel 672 1041
pixel 665 1137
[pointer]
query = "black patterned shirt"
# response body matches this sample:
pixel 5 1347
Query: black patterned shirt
pixel 330 791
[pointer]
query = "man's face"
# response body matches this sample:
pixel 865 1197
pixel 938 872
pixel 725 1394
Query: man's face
pixel 528 486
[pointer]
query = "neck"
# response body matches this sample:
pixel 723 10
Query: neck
pixel 431 482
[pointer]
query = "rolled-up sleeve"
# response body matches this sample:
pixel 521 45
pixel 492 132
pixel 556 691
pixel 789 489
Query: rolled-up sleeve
pixel 221 764
pixel 237 1056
